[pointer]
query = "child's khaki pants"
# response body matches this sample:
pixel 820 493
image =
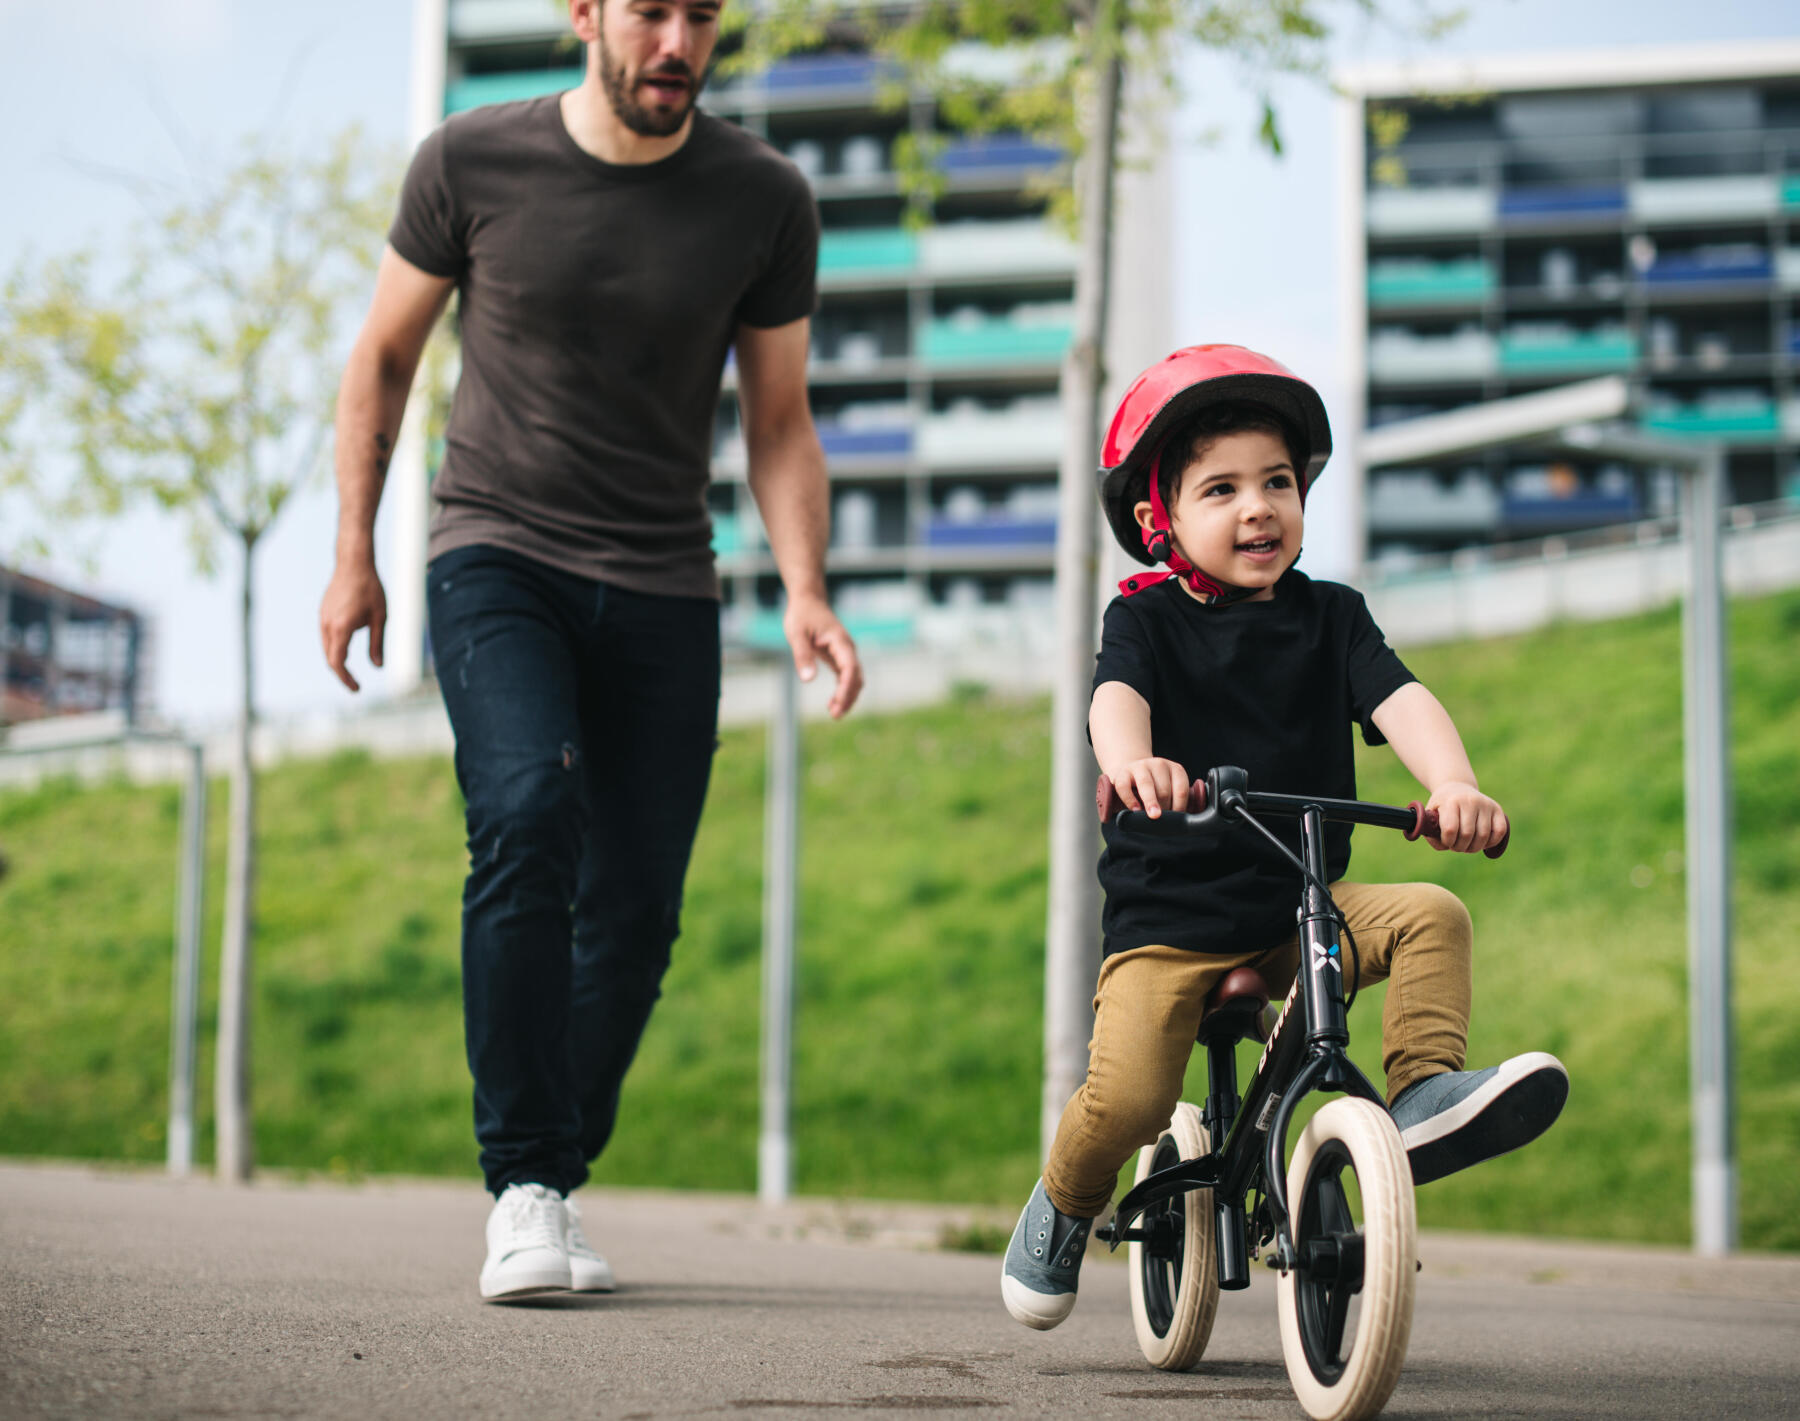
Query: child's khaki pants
pixel 1147 1012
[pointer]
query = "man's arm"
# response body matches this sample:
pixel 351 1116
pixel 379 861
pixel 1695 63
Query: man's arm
pixel 787 478
pixel 371 401
pixel 1425 738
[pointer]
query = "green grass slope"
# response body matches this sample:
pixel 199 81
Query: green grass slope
pixel 923 891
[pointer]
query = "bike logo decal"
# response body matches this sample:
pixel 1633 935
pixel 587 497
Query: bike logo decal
pixel 1324 957
pixel 1280 1021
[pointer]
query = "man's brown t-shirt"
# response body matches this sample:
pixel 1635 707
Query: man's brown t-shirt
pixel 597 303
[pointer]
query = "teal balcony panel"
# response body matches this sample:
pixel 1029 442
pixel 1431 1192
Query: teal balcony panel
pixel 1746 421
pixel 1428 283
pixel 1790 192
pixel 997 341
pixel 727 534
pixel 866 251
pixel 479 89
pixel 875 629
pixel 1590 353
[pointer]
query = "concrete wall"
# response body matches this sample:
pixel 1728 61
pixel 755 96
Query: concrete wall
pixel 1495 599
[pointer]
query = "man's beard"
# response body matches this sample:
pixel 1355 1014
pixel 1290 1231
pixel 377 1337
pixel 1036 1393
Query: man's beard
pixel 641 119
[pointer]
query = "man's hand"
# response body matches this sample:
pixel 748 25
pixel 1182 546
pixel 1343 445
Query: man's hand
pixel 354 600
pixel 1151 785
pixel 815 634
pixel 1468 821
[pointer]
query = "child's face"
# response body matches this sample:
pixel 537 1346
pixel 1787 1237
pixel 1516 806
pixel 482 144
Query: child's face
pixel 1236 512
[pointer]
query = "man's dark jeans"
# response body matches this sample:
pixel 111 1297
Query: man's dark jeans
pixel 585 719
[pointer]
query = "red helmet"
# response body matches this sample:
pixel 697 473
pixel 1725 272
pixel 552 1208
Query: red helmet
pixel 1174 389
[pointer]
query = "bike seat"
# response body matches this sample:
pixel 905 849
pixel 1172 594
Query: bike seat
pixel 1234 1007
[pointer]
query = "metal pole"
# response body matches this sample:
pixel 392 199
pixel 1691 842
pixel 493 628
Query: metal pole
pixel 1708 795
pixel 774 1147
pixel 408 473
pixel 6 636
pixel 186 989
pixel 1072 946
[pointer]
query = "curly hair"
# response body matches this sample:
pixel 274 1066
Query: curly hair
pixel 1190 441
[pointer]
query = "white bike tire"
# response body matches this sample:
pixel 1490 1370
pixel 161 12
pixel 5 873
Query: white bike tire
pixel 1361 1134
pixel 1172 1310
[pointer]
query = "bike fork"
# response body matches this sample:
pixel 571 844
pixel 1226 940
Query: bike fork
pixel 1327 1028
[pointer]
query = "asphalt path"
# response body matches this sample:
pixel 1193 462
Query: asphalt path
pixel 130 1295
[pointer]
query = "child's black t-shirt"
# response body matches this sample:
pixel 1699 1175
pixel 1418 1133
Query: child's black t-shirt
pixel 1273 687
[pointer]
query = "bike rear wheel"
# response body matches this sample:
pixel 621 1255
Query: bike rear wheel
pixel 1174 1270
pixel 1346 1313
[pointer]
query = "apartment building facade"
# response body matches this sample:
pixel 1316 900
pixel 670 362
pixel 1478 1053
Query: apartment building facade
pixel 1524 222
pixel 63 652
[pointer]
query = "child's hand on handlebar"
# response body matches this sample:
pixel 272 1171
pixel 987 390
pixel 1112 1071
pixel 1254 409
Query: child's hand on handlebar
pixel 1468 821
pixel 1151 785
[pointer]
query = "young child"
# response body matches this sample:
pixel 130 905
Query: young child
pixel 1233 657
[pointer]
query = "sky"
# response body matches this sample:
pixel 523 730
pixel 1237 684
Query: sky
pixel 148 85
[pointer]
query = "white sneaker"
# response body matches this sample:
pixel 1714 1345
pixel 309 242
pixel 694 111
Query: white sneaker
pixel 526 1252
pixel 591 1273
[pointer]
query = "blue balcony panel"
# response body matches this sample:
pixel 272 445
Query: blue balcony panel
pixel 823 71
pixel 995 532
pixel 998 151
pixel 1580 510
pixel 845 443
pixel 1529 203
pixel 1747 265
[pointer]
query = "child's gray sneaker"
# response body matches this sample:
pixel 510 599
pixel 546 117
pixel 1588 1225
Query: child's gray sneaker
pixel 1043 1263
pixel 1459 1118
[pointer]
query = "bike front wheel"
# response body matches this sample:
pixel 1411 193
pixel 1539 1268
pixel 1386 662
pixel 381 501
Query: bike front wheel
pixel 1174 1273
pixel 1346 1311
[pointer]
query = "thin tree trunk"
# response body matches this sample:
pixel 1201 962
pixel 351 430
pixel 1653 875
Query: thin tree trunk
pixel 235 1153
pixel 1072 942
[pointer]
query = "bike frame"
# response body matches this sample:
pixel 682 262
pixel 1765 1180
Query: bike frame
pixel 1296 1059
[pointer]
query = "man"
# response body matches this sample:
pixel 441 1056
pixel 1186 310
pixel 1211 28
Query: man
pixel 608 245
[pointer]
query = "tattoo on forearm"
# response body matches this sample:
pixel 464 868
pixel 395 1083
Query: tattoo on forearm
pixel 384 450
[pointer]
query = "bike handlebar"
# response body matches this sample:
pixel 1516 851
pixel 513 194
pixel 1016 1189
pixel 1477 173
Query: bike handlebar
pixel 1208 799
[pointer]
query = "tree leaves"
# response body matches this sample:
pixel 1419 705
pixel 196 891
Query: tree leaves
pixel 1038 58
pixel 194 366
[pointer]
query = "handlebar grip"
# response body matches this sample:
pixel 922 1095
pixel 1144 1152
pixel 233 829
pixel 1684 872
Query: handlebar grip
pixel 1425 824
pixel 1108 803
pixel 1106 799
